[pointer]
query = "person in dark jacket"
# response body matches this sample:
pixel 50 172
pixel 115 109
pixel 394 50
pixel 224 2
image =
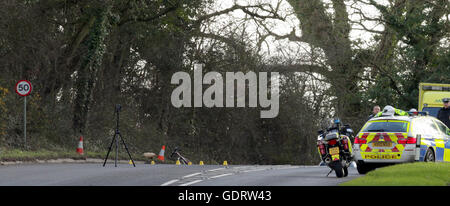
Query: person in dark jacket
pixel 444 113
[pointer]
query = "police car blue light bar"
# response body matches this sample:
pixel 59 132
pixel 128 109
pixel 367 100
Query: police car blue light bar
pixel 416 113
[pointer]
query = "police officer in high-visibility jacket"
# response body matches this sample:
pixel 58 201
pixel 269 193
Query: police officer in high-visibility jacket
pixel 390 111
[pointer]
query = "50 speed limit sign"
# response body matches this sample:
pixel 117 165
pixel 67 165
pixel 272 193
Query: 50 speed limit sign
pixel 23 88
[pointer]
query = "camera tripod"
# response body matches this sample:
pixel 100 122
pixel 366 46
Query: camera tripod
pixel 116 140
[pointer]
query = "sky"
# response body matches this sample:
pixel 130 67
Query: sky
pixel 285 47
pixel 297 51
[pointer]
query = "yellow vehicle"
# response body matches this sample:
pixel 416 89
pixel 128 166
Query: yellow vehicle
pixel 431 95
pixel 397 139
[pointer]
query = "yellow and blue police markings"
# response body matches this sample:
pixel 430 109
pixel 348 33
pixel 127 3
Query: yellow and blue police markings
pixel 440 147
pixel 447 151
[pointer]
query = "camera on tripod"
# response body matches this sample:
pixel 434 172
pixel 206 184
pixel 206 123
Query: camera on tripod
pixel 115 139
pixel 118 107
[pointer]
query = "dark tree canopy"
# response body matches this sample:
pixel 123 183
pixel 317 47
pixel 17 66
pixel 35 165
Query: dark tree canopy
pixel 85 56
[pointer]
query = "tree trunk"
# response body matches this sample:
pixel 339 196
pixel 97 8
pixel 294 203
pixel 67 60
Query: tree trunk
pixel 332 35
pixel 87 73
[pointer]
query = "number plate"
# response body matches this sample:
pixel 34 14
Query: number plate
pixel 335 157
pixel 382 144
pixel 334 150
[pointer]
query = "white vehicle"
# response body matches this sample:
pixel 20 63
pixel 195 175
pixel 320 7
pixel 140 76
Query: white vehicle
pixel 396 139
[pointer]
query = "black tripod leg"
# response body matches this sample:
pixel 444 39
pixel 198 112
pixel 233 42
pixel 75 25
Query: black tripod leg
pixel 109 150
pixel 126 148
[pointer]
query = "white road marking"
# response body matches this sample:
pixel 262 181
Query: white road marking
pixel 216 169
pixel 255 170
pixel 222 175
pixel 169 182
pixel 190 183
pixel 227 174
pixel 241 167
pixel 191 175
pixel 283 168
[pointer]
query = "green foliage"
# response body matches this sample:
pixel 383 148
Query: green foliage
pixel 3 111
pixel 90 64
pixel 420 56
pixel 83 57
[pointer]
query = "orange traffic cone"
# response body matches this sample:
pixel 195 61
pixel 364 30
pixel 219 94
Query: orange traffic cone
pixel 161 153
pixel 80 146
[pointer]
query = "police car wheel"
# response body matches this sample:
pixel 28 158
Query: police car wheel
pixel 363 168
pixel 429 156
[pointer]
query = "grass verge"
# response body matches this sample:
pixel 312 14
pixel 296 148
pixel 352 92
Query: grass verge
pixel 14 155
pixel 8 155
pixel 409 174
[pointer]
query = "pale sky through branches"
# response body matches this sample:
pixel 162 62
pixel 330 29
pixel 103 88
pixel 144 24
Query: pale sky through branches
pixel 237 22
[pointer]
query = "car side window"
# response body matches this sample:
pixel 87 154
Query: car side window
pixel 428 127
pixel 416 127
pixel 442 128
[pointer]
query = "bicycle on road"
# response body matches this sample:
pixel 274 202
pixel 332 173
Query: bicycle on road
pixel 180 158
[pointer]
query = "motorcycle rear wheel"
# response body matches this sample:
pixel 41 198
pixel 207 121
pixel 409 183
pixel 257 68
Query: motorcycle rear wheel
pixel 338 170
pixel 345 171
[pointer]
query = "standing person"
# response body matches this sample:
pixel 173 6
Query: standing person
pixel 375 111
pixel 444 113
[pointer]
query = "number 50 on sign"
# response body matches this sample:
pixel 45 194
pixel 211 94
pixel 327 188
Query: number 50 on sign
pixel 23 88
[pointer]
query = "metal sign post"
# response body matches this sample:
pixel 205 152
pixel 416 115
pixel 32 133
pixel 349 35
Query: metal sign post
pixel 25 121
pixel 23 88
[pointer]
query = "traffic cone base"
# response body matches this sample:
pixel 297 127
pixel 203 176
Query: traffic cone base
pixel 161 153
pixel 80 149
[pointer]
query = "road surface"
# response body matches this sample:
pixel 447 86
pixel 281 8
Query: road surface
pixel 88 174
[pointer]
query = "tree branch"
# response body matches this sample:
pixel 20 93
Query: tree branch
pixel 245 9
pixel 151 18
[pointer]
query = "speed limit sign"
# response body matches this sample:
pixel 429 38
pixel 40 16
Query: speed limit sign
pixel 23 88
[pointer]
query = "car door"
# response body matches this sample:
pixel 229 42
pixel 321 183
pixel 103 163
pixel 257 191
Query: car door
pixel 429 130
pixel 445 134
pixel 432 136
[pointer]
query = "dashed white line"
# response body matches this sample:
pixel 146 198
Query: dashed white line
pixel 222 168
pixel 191 175
pixel 283 168
pixel 222 175
pixel 190 183
pixel 255 170
pixel 169 182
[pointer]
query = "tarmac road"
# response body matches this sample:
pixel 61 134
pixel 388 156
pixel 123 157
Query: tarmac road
pixel 88 174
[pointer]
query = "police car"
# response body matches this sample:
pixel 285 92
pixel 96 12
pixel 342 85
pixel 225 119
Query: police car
pixel 393 139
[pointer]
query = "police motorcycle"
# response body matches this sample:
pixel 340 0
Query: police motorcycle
pixel 335 147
